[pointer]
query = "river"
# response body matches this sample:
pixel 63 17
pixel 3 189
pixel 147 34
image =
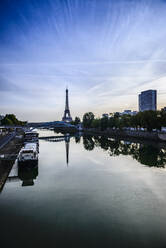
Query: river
pixel 86 192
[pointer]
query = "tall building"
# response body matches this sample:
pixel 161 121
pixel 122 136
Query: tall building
pixel 67 116
pixel 164 109
pixel 148 100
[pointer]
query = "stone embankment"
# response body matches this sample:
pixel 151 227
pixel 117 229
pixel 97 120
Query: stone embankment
pixel 154 136
pixel 66 129
pixel 13 146
pixel 4 140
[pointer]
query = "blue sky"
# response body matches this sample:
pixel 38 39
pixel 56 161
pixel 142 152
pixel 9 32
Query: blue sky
pixel 105 51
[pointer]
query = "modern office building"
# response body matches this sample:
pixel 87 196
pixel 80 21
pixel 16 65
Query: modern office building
pixel 148 100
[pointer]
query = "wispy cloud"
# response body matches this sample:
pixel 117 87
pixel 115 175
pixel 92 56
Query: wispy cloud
pixel 105 51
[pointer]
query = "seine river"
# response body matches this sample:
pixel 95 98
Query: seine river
pixel 86 192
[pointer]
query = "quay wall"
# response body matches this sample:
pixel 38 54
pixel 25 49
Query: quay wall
pixel 155 136
pixel 12 147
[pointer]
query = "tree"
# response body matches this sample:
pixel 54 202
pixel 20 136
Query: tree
pixel 126 121
pixel 104 123
pixel 77 120
pixel 150 120
pixel 111 122
pixel 96 123
pixel 7 121
pixel 163 118
pixel 10 119
pixel 88 119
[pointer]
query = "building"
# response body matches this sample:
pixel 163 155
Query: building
pixel 128 112
pixel 134 112
pixel 163 109
pixel 105 115
pixel 147 100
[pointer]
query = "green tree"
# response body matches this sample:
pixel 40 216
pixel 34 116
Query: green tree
pixel 96 123
pixel 104 123
pixel 7 121
pixel 163 118
pixel 150 120
pixel 10 119
pixel 88 119
pixel 77 120
pixel 126 121
pixel 111 122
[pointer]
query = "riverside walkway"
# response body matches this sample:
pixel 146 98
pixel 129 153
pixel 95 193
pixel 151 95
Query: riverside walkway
pixel 6 139
pixel 10 147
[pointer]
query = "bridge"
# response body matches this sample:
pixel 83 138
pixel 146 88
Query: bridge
pixel 51 124
pixel 13 127
pixel 56 138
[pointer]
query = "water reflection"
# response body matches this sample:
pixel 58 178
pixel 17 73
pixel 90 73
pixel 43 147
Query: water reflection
pixel 147 154
pixel 67 142
pixel 27 175
pixel 65 138
pixel 77 138
pixel 88 143
pixel 144 153
pixel 96 202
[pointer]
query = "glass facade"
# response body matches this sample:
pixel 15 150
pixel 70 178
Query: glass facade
pixel 148 100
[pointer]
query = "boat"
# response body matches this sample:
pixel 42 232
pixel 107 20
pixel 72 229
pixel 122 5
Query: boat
pixel 28 155
pixel 31 136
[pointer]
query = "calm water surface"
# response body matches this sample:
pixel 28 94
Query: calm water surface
pixel 87 193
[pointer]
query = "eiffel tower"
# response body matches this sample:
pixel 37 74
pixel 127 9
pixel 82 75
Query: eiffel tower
pixel 67 116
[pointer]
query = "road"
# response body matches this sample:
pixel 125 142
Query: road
pixel 5 140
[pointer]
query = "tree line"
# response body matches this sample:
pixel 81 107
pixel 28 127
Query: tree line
pixel 149 120
pixel 11 120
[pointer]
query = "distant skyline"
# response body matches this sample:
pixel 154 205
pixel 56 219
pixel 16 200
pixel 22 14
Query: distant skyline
pixel 106 52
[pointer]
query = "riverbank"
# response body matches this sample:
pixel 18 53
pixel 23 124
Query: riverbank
pixel 6 161
pixel 142 135
pixel 66 129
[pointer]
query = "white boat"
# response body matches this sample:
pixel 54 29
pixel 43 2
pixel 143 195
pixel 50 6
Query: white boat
pixel 28 154
pixel 31 136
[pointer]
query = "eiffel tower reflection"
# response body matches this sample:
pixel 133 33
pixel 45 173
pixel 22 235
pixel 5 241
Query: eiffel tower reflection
pixel 65 138
pixel 67 142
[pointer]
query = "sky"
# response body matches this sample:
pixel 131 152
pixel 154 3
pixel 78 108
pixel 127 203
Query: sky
pixel 105 51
